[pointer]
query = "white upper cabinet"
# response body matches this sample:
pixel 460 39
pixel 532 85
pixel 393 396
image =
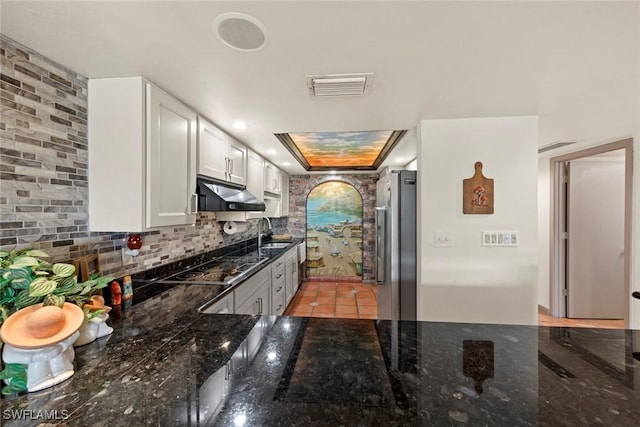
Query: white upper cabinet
pixel 284 194
pixel 255 180
pixel 219 155
pixel 142 161
pixel 212 159
pixel 271 179
pixel 276 199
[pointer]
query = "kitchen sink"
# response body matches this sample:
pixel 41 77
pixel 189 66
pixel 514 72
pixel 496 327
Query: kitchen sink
pixel 275 245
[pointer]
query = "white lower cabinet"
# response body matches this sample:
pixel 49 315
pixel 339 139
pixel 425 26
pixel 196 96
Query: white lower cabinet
pixel 268 292
pixel 223 306
pixel 291 273
pixel 278 288
pixel 213 394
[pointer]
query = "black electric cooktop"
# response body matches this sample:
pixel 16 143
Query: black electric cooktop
pixel 223 271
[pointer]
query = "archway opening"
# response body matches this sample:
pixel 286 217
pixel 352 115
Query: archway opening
pixel 334 232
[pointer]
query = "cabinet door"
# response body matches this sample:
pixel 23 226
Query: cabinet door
pixel 212 395
pixel 171 157
pixel 224 306
pixel 212 158
pixel 268 177
pixel 255 180
pixel 291 281
pixel 263 297
pixel 275 185
pixel 237 167
pixel 279 303
pixel 284 194
pixel 258 303
pixel 250 306
pixel 271 179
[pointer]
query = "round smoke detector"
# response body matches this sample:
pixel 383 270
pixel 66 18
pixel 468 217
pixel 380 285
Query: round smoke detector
pixel 240 31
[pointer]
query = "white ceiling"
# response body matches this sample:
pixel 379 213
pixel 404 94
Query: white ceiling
pixel 432 60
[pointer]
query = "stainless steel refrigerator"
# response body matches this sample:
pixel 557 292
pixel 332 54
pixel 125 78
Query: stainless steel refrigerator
pixel 396 251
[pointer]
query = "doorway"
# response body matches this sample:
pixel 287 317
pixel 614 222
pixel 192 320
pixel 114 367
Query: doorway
pixel 591 233
pixel 334 232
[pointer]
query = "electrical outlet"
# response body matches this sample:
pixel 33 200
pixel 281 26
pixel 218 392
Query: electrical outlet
pixel 443 239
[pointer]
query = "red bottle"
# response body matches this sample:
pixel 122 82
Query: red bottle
pixel 116 294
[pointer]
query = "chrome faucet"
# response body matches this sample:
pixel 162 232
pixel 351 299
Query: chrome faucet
pixel 260 230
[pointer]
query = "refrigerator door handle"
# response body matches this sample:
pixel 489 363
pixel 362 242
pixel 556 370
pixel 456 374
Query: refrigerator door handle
pixel 381 216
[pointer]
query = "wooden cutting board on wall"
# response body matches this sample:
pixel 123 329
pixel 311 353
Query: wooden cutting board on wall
pixel 477 193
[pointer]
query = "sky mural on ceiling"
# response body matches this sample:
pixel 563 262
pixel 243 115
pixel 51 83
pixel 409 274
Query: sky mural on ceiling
pixel 341 150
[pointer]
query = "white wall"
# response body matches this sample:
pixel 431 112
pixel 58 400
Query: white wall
pixel 468 282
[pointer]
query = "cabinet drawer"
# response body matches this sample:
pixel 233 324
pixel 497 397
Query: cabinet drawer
pixel 278 287
pixel 277 272
pixel 279 303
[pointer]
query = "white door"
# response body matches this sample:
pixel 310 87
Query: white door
pixel 171 157
pixel 255 180
pixel 212 151
pixel 237 162
pixel 595 261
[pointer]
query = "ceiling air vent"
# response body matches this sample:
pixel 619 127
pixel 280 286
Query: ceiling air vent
pixel 554 145
pixel 340 84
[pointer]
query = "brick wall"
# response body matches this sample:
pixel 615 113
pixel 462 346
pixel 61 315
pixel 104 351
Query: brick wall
pixel 301 185
pixel 43 173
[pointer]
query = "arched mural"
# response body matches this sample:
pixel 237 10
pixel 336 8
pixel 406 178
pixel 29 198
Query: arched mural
pixel 334 231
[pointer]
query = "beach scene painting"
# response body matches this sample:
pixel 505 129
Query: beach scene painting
pixel 334 231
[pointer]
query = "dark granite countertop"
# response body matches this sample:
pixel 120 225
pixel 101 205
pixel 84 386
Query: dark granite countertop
pixel 168 365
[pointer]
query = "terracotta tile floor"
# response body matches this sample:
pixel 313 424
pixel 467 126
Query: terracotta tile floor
pixel 358 301
pixel 335 299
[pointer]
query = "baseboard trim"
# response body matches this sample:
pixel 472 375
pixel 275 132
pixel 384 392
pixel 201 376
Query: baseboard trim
pixel 543 309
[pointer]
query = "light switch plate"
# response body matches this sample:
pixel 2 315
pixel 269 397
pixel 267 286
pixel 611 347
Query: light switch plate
pixel 500 238
pixel 443 239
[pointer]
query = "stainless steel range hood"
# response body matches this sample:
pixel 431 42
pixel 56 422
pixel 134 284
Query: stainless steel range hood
pixel 215 196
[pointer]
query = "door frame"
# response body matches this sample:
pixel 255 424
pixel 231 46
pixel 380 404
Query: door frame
pixel 557 252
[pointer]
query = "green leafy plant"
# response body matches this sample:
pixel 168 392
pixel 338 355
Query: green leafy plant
pixel 26 279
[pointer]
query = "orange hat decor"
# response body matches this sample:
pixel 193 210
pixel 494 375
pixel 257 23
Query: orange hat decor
pixel 39 326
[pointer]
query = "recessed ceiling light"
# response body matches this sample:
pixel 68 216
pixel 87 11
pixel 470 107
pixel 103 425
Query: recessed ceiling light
pixel 240 125
pixel 240 31
pixel 271 151
pixel 286 164
pixel 399 159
